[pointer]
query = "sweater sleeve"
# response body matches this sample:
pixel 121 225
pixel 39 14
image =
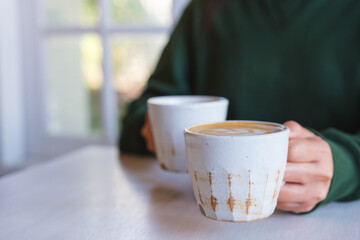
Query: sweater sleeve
pixel 171 77
pixel 345 184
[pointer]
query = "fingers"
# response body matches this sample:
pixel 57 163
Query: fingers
pixel 292 192
pixel 302 193
pixel 295 207
pixel 146 132
pixel 306 150
pixel 300 197
pixel 296 172
pixel 308 172
pixel 297 131
pixel 304 173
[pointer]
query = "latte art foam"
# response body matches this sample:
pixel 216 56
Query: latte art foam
pixel 236 131
pixel 234 128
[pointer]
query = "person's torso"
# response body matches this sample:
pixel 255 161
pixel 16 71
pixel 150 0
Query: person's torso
pixel 277 62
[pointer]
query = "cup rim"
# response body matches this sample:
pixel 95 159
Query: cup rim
pixel 284 130
pixel 170 100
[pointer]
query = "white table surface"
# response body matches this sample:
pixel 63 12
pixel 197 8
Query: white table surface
pixel 94 194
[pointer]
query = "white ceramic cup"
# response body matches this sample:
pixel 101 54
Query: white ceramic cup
pixel 237 178
pixel 169 115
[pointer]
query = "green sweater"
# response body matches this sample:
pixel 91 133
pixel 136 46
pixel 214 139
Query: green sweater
pixel 275 60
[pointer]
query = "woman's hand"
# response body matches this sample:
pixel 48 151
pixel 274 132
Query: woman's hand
pixel 147 134
pixel 308 173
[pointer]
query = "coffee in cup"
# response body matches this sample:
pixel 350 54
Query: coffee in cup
pixel 236 128
pixel 237 168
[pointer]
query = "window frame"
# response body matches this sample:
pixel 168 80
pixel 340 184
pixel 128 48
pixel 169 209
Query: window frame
pixel 40 142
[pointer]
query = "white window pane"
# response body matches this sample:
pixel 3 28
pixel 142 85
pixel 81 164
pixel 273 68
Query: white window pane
pixel 134 58
pixel 142 12
pixel 71 12
pixel 179 6
pixel 73 81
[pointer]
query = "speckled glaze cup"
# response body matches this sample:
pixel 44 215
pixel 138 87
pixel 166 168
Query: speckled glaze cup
pixel 171 114
pixel 237 177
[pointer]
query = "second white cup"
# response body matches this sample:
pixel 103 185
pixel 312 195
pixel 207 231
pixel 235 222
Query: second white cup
pixel 169 115
pixel 237 168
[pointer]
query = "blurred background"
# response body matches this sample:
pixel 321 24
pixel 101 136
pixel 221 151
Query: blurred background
pixel 69 68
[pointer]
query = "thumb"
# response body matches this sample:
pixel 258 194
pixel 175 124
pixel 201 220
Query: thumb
pixel 298 131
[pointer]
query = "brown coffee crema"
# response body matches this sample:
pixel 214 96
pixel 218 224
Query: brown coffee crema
pixel 237 128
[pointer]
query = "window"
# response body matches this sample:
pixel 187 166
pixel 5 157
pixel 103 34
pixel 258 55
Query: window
pixel 86 60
